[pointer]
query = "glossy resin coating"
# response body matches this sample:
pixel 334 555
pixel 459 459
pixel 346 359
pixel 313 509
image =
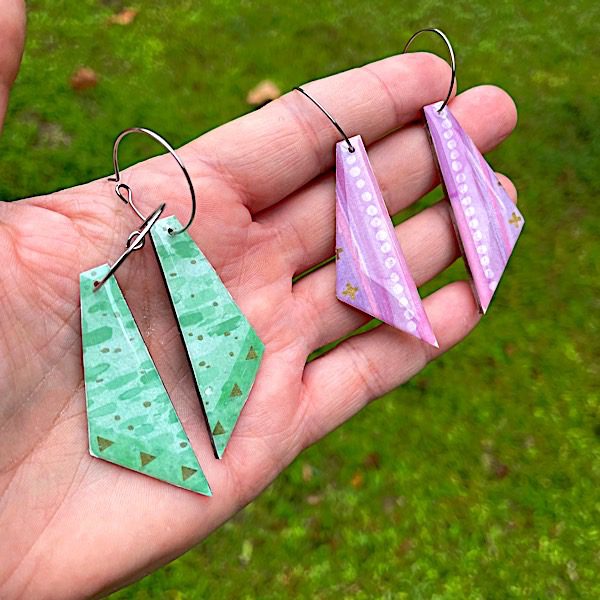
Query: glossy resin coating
pixel 131 421
pixel 487 221
pixel 223 349
pixel 371 271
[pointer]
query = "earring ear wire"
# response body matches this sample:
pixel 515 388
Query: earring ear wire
pixel 452 58
pixel 329 116
pixel 120 186
pixel 486 221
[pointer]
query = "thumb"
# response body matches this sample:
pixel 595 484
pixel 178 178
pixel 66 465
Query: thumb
pixel 12 37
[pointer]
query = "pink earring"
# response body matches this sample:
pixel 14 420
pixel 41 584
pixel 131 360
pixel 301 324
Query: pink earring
pixel 486 220
pixel 371 271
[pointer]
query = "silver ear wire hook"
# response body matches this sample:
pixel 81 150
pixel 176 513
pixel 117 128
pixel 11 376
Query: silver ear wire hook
pixel 452 58
pixel 328 115
pixel 123 186
pixel 135 241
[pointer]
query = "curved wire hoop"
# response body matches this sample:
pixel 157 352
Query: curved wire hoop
pixel 452 58
pixel 120 187
pixel 329 116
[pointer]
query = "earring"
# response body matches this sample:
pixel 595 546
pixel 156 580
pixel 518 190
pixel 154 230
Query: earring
pixel 131 421
pixel 223 350
pixel 371 271
pixel 486 220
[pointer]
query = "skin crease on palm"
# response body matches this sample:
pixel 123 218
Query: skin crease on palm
pixel 75 526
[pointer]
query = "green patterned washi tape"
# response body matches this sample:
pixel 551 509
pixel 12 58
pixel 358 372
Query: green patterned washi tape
pixel 223 348
pixel 131 421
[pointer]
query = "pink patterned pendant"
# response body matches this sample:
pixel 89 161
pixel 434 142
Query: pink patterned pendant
pixel 486 220
pixel 371 270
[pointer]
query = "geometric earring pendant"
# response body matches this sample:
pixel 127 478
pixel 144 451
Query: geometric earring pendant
pixel 223 349
pixel 131 421
pixel 371 271
pixel 487 221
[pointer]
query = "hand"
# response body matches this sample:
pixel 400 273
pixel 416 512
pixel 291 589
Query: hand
pixel 73 525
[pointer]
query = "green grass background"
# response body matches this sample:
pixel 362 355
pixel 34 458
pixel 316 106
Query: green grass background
pixel 480 477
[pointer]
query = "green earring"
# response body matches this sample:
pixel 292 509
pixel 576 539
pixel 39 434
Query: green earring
pixel 131 421
pixel 223 349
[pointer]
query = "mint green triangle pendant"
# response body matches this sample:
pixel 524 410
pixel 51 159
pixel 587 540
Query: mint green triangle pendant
pixel 131 421
pixel 223 349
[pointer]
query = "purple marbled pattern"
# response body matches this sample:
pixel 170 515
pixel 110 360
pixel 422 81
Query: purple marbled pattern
pixel 372 274
pixel 486 219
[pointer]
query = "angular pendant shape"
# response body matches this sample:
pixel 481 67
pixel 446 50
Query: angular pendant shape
pixel 487 221
pixel 371 271
pixel 131 421
pixel 223 349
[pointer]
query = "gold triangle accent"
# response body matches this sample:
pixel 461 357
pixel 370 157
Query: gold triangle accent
pixel 251 354
pixel 186 472
pixel 103 443
pixel 146 458
pixel 235 391
pixel 218 430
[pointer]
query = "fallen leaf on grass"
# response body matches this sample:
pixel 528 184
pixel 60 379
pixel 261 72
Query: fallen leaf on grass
pixel 262 93
pixel 125 17
pixel 83 79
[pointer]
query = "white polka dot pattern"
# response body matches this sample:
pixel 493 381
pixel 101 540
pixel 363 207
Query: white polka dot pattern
pixel 371 271
pixel 487 220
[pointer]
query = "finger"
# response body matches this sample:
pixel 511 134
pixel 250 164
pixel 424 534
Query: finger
pixel 12 37
pixel 429 245
pixel 367 366
pixel 405 169
pixel 508 186
pixel 272 152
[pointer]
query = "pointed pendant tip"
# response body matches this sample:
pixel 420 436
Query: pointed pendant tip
pixel 427 336
pixel 202 491
pixel 431 340
pixel 218 446
pixel 483 304
pixel 201 487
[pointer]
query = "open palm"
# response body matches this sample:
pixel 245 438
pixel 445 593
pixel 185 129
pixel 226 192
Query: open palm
pixel 75 526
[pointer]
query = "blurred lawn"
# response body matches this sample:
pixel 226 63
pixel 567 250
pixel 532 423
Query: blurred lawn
pixel 479 478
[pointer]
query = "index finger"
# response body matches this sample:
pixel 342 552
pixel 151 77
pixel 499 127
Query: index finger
pixel 274 151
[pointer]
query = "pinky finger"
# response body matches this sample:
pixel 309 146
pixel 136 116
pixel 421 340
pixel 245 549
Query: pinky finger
pixel 368 365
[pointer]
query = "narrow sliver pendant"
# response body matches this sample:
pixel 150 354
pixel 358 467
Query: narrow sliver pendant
pixel 487 221
pixel 223 349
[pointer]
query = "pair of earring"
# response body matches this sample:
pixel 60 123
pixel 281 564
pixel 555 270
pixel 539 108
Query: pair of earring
pixel 371 271
pixel 131 420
